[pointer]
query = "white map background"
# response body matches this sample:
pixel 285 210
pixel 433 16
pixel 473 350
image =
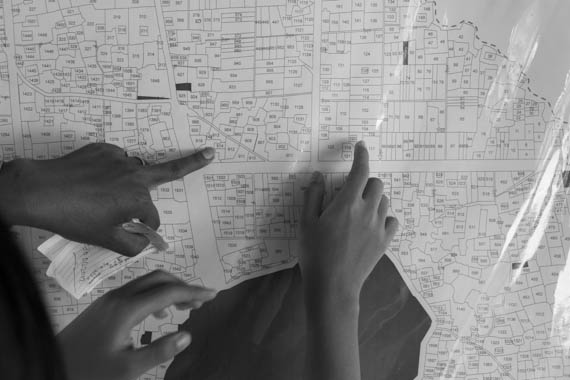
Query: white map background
pixel 282 87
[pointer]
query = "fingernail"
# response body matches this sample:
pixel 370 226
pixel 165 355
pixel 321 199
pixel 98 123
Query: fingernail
pixel 129 226
pixel 361 144
pixel 134 228
pixel 208 153
pixel 317 177
pixel 182 341
pixel 161 314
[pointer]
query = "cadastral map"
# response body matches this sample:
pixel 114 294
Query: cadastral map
pixel 284 87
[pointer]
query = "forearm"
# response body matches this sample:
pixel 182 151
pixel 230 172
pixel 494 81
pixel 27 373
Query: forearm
pixel 332 338
pixel 15 206
pixel 341 244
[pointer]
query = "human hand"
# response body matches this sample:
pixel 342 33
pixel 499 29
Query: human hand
pixel 87 195
pixel 96 345
pixel 343 243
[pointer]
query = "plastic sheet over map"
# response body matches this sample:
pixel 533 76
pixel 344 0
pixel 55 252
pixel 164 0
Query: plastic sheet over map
pixel 462 104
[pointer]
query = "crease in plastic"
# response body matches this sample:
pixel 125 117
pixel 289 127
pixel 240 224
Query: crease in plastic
pixel 546 198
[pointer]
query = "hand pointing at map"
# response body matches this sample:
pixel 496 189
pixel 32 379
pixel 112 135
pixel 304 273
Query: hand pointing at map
pixel 89 194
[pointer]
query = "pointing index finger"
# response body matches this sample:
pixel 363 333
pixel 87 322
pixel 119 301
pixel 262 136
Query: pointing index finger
pixel 359 172
pixel 172 170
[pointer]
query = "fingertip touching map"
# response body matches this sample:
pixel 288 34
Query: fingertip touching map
pixel 473 158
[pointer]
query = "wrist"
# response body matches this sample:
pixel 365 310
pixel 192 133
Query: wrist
pixel 329 311
pixel 329 284
pixel 331 296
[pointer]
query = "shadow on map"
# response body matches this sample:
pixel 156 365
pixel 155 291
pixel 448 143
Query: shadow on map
pixel 256 330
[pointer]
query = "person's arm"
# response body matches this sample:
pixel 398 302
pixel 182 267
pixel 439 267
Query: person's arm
pixel 332 336
pixel 96 345
pixel 87 195
pixel 341 244
pixel 13 193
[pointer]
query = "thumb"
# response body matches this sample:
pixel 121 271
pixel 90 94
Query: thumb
pixel 126 243
pixel 160 351
pixel 314 198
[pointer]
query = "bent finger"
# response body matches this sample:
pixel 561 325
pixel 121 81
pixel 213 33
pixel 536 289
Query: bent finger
pixel 125 243
pixel 164 295
pixel 158 174
pixel 383 208
pixel 158 352
pixel 314 195
pixel 146 282
pixel 373 192
pixel 149 215
pixel 391 227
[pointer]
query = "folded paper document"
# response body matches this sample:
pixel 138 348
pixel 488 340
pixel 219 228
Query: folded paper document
pixel 79 268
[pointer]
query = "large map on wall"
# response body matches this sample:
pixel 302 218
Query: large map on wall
pixel 283 87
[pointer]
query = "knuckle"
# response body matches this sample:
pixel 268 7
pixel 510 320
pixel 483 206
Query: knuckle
pixel 111 148
pixel 93 147
pixel 353 211
pixel 103 145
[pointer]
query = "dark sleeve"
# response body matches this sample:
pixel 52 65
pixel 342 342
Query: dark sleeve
pixel 29 349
